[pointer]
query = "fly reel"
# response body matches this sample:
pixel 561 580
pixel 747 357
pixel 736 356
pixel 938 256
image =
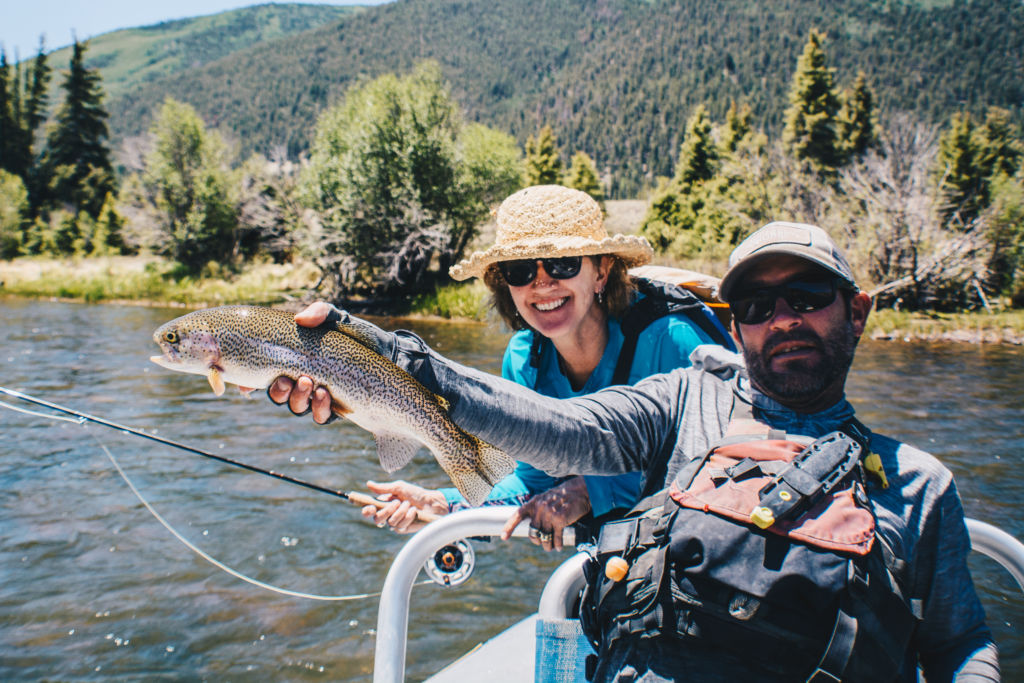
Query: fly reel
pixel 451 564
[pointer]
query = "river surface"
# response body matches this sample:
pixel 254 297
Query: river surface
pixel 93 588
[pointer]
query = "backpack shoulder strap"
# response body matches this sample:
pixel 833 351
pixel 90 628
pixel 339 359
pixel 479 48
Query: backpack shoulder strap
pixel 661 299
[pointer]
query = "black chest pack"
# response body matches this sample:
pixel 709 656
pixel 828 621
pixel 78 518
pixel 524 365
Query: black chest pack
pixel 766 549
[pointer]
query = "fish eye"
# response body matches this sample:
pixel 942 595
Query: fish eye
pixel 171 337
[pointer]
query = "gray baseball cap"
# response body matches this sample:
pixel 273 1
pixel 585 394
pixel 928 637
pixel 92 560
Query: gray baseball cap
pixel 808 242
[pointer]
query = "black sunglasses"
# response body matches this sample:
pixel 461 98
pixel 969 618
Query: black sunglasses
pixel 522 273
pixel 803 296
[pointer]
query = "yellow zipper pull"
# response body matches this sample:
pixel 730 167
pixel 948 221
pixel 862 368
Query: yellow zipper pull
pixel 873 464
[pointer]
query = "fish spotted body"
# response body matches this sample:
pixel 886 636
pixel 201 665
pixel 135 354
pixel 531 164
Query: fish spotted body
pixel 251 346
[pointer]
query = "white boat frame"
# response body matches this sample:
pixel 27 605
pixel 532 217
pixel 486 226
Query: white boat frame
pixel 560 591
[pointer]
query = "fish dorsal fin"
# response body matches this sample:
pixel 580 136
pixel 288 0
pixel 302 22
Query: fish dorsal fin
pixel 394 450
pixel 358 331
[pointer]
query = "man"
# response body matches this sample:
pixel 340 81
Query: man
pixel 798 315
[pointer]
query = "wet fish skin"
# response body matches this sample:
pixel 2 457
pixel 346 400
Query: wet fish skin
pixel 251 346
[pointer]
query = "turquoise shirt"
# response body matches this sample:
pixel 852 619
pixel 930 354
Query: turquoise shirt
pixel 666 344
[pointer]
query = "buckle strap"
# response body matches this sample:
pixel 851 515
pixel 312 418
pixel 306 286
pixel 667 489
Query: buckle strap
pixel 837 654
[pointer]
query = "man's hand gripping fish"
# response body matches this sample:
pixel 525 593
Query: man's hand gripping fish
pixel 251 346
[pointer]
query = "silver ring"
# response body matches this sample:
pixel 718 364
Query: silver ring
pixel 534 532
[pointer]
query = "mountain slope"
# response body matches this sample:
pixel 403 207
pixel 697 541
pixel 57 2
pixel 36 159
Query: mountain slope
pixel 129 57
pixel 616 78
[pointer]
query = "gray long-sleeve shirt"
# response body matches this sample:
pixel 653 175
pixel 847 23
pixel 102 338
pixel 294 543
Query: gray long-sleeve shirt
pixel 666 420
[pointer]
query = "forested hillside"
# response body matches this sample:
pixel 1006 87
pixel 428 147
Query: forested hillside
pixel 615 78
pixel 132 56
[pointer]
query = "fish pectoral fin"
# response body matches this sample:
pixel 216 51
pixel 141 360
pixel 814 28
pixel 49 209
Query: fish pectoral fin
pixel 395 451
pixel 340 409
pixel 216 380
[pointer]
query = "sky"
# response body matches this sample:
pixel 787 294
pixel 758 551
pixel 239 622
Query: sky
pixel 22 21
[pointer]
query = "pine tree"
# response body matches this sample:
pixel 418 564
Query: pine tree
pixel 698 155
pixel 11 156
pixel 36 97
pixel 543 164
pixel 811 118
pixel 999 145
pixel 76 160
pixel 583 176
pixel 856 119
pixel 960 176
pixel 737 127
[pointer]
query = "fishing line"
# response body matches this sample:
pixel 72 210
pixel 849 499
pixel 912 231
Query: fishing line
pixel 81 419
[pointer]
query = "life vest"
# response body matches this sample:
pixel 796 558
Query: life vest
pixel 764 548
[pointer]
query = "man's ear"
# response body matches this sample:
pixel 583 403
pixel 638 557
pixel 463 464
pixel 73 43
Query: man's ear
pixel 737 337
pixel 860 308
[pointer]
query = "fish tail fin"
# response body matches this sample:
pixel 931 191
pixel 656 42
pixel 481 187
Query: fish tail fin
pixel 490 465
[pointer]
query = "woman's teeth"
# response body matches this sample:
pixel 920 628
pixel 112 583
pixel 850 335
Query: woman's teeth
pixel 550 305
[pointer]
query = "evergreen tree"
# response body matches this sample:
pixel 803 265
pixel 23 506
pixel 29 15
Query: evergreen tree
pixel 543 163
pixel 583 176
pixel 737 127
pixel 999 145
pixel 810 131
pixel 11 134
pixel 961 178
pixel 76 159
pixel 856 119
pixel 698 155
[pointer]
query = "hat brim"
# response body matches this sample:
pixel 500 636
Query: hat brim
pixel 732 278
pixel 632 249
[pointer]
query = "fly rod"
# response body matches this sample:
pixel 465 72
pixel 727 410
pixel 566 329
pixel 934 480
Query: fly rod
pixel 354 497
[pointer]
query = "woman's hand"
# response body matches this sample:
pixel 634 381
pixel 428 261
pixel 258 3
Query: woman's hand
pixel 405 501
pixel 550 512
pixel 302 395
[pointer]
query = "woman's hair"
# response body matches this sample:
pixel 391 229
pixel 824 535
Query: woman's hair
pixel 618 292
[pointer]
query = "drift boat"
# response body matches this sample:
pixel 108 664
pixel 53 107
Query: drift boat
pixel 545 646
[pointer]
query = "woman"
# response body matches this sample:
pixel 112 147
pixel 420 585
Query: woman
pixel 560 281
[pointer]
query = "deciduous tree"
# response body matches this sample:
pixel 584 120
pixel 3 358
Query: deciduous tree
pixel 399 183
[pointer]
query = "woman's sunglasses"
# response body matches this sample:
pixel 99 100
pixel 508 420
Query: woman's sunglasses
pixel 522 273
pixel 802 296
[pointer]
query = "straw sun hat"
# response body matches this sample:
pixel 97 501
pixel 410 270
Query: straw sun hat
pixel 548 221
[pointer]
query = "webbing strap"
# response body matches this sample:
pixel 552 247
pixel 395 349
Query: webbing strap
pixel 661 299
pixel 837 654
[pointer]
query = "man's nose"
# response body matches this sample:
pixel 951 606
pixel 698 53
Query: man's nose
pixel 784 317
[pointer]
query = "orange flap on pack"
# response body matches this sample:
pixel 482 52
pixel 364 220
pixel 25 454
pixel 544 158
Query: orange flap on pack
pixel 835 522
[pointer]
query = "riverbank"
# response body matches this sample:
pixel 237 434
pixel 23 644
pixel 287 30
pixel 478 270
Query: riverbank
pixel 148 280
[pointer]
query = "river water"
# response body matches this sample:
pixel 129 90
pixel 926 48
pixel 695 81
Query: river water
pixel 95 589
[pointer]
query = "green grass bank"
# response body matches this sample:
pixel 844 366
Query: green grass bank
pixel 141 280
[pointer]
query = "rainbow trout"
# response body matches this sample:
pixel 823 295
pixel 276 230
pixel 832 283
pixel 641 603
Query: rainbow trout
pixel 250 346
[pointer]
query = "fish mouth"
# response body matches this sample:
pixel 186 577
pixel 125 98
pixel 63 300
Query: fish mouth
pixel 547 306
pixel 168 358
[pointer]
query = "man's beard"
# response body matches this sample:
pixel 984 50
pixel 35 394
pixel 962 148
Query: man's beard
pixel 802 381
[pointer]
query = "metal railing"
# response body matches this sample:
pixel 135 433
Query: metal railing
pixel 564 584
